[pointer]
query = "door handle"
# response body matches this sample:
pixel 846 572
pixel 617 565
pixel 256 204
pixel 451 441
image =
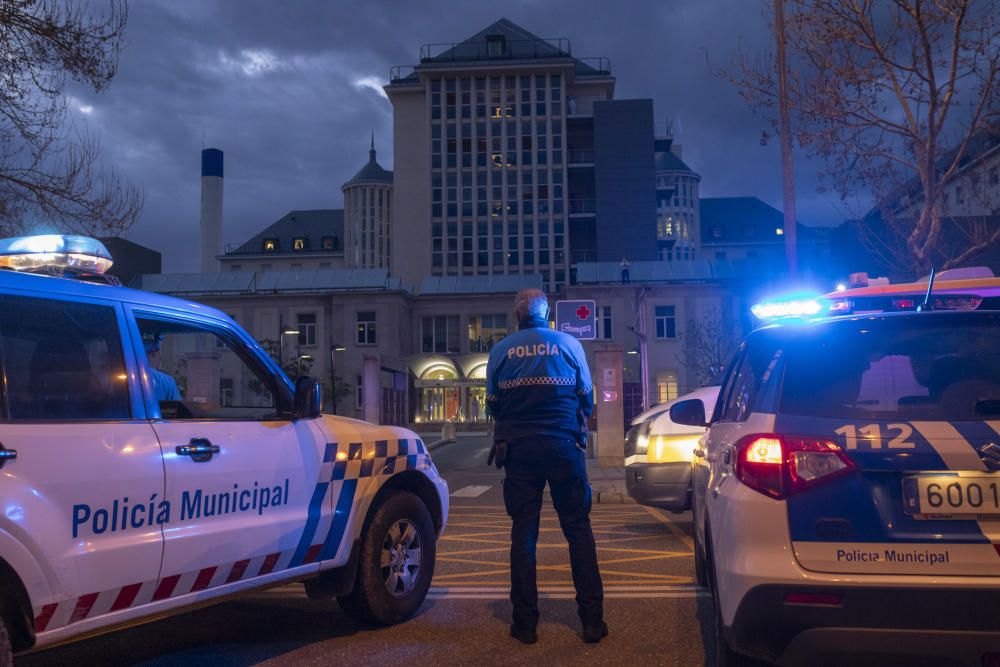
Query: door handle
pixel 199 449
pixel 6 455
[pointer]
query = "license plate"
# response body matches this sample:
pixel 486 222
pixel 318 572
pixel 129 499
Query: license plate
pixel 952 496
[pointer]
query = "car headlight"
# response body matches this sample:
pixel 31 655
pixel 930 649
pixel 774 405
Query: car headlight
pixel 671 448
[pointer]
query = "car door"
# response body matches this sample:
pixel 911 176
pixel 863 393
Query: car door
pixel 705 469
pixel 241 475
pixel 82 481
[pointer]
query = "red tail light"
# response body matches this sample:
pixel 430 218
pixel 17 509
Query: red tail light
pixel 780 465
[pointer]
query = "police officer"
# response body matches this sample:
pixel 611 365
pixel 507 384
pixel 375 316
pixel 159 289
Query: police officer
pixel 164 385
pixel 539 391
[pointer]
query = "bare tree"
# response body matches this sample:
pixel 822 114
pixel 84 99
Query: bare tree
pixel 890 93
pixel 710 341
pixel 48 169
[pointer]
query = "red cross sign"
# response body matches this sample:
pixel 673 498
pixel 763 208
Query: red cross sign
pixel 583 312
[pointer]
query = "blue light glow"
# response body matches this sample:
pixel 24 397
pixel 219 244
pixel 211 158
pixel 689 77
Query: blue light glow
pixel 790 309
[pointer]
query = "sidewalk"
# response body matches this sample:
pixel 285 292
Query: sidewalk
pixel 608 484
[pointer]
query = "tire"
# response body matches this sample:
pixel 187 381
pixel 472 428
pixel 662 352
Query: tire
pixel 700 566
pixel 725 656
pixel 399 530
pixel 700 563
pixel 6 656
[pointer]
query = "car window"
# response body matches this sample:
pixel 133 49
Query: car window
pixel 728 383
pixel 747 379
pixel 62 360
pixel 198 373
pixel 913 369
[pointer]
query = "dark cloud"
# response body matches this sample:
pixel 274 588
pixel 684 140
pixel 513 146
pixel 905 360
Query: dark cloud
pixel 280 87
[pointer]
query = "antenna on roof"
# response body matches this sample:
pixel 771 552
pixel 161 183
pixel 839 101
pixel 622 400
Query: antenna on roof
pixel 926 305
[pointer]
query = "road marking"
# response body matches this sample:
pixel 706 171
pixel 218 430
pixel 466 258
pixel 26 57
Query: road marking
pixel 473 491
pixel 671 526
pixel 568 592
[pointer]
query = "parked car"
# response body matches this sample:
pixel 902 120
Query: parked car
pixel 658 454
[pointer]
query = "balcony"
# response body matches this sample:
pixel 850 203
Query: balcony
pixel 582 206
pixel 580 157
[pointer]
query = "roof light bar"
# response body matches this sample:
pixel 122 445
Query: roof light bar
pixel 796 308
pixel 76 254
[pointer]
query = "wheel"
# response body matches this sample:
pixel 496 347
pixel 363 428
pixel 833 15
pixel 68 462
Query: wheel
pixel 6 656
pixel 725 656
pixel 700 565
pixel 395 563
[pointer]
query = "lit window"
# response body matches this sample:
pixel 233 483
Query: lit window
pixel 299 244
pixel 666 386
pixel 779 231
pixel 270 245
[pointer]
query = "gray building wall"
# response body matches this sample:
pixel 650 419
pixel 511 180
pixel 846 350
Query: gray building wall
pixel 410 255
pixel 625 180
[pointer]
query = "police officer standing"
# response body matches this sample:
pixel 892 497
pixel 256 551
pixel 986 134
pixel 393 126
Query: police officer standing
pixel 539 392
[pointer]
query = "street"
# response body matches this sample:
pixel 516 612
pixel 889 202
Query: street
pixel 655 612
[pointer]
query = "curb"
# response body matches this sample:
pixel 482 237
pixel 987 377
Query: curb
pixel 437 443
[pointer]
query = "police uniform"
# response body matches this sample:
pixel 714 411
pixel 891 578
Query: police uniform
pixel 540 394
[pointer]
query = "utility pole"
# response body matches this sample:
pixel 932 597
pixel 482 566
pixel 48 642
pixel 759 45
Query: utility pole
pixel 787 177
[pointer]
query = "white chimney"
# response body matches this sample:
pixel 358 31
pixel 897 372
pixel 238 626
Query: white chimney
pixel 211 209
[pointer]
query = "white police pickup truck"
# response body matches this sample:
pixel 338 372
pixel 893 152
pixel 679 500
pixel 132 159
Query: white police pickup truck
pixel 153 457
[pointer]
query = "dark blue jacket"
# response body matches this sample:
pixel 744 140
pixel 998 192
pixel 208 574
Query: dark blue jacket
pixel 538 384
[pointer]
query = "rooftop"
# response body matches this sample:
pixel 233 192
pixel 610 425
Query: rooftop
pixel 311 225
pixel 502 41
pixel 250 282
pixel 371 172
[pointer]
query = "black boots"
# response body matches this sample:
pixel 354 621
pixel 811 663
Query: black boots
pixel 595 633
pixel 524 635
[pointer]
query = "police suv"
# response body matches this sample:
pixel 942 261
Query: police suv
pixel 847 493
pixel 153 457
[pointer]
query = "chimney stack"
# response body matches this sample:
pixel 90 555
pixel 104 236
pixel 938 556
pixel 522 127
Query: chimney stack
pixel 211 209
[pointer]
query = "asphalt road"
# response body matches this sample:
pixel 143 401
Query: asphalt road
pixel 655 612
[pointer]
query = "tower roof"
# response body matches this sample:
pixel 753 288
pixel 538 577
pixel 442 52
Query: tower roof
pixel 371 172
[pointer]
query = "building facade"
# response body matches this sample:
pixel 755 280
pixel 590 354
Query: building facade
pixel 678 213
pixel 368 215
pixel 498 143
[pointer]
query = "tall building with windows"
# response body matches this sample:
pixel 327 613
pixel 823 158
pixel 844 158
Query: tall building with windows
pixel 511 157
pixel 678 214
pixel 368 215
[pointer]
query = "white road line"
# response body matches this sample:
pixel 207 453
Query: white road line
pixel 569 596
pixel 473 491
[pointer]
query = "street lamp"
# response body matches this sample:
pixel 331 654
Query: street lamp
pixel 298 362
pixel 334 347
pixel 282 332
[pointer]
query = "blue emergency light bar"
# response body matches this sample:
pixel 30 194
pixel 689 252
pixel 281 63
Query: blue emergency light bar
pixel 790 309
pixel 46 252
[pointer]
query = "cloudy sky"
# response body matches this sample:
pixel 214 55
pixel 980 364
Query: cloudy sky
pixel 291 92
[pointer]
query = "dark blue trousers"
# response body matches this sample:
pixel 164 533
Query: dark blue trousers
pixel 530 464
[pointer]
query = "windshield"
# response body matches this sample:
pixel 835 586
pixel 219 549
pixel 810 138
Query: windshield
pixel 912 368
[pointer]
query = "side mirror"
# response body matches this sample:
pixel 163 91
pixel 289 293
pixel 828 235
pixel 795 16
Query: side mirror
pixel 308 398
pixel 689 413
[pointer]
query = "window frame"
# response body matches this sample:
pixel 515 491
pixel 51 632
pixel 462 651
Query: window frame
pixel 302 329
pixel 370 328
pixel 666 318
pixel 137 406
pixel 249 351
